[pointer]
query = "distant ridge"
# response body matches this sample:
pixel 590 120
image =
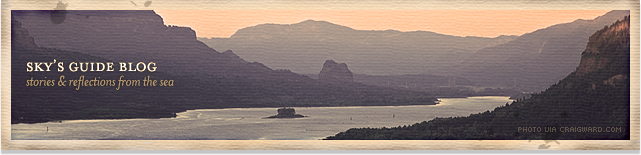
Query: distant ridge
pixel 536 60
pixel 300 46
pixel 204 78
pixel 591 103
pixel 529 63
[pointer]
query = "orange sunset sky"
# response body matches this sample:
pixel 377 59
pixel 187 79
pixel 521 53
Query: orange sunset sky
pixel 482 23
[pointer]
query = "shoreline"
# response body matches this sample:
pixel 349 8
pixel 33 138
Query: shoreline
pixel 436 102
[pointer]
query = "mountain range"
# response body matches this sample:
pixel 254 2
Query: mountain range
pixel 536 60
pixel 133 36
pixel 300 47
pixel 591 103
pixel 530 62
pixel 204 78
pixel 596 94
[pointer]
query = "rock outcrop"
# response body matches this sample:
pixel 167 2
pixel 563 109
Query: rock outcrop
pixel 286 113
pixel 335 72
pixel 599 52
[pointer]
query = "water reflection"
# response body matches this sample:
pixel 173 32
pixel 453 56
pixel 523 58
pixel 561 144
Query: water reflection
pixel 248 123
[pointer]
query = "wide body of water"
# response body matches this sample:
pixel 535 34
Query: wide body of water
pixel 248 123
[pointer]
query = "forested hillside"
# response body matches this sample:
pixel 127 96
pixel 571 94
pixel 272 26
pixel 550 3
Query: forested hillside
pixel 592 102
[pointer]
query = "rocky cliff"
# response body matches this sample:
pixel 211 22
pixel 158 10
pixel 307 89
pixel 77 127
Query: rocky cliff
pixel 600 52
pixel 535 60
pixel 335 72
pixel 591 103
pixel 132 36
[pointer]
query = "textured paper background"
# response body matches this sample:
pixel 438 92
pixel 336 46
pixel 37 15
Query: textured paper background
pixel 8 144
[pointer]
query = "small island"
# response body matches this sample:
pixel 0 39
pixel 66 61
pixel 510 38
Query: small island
pixel 286 113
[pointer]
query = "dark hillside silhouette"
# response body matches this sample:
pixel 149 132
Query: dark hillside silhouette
pixel 204 78
pixel 591 103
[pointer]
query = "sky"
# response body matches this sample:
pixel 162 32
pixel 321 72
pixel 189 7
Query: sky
pixel 481 23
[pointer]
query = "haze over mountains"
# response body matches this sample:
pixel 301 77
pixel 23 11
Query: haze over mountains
pixel 595 95
pixel 534 61
pixel 302 46
pixel 204 78
pixel 530 62
pixel 591 103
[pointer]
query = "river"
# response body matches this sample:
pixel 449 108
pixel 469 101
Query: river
pixel 248 123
